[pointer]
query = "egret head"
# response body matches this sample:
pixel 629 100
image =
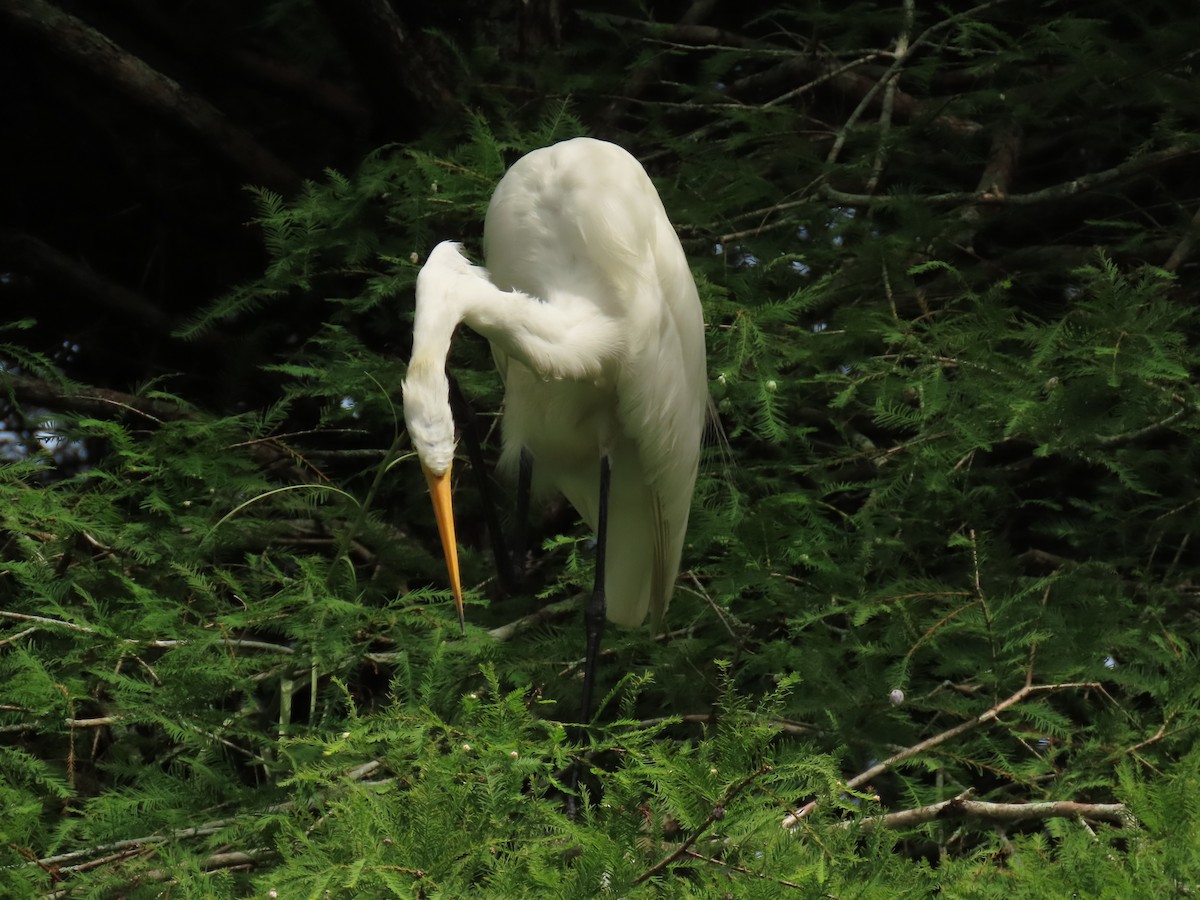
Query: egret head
pixel 431 429
pixel 427 413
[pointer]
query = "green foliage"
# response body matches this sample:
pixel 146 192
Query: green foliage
pixel 949 546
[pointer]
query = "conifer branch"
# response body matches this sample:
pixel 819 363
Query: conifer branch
pixel 717 814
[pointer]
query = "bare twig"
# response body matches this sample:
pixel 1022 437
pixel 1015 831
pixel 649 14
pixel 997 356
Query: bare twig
pixel 889 98
pixel 46 620
pixel 998 813
pixel 1061 191
pixel 124 847
pixel 984 718
pixel 546 613
pixel 692 854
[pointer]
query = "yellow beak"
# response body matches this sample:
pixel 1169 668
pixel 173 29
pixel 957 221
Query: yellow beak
pixel 443 512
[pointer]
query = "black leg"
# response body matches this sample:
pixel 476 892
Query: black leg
pixel 595 615
pixel 471 437
pixel 520 531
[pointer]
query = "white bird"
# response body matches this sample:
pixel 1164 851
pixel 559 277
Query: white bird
pixel 597 331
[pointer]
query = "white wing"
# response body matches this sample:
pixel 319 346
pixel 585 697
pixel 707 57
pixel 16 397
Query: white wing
pixel 580 227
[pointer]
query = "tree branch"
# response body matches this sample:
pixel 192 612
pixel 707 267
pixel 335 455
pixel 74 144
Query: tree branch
pixel 987 716
pixel 92 401
pixel 998 813
pixel 1184 248
pixel 96 55
pixel 202 47
pixel 106 403
pixel 380 46
pixel 545 614
pixel 39 258
pixel 1061 191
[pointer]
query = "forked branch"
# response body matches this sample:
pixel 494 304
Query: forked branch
pixel 987 716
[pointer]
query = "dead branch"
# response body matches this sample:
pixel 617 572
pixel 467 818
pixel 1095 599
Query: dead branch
pixel 999 813
pixel 987 716
pixel 547 613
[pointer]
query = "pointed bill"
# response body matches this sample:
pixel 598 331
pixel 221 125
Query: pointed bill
pixel 443 512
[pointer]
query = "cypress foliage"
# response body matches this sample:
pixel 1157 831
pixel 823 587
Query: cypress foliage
pixel 938 613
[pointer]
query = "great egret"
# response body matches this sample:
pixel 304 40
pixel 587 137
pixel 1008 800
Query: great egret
pixel 596 328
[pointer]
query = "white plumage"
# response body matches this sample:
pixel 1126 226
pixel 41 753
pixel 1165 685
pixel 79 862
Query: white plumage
pixel 597 331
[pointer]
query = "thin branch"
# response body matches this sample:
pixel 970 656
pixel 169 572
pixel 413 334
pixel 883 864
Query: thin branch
pixel 544 614
pixel 1136 166
pixel 12 638
pixel 717 813
pixel 98 402
pixel 236 643
pixel 831 75
pixel 785 727
pixel 1184 248
pixel 1128 437
pixel 984 718
pixel 998 813
pixel 46 620
pixel 692 854
pixel 889 98
pixel 358 774
pixel 106 403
